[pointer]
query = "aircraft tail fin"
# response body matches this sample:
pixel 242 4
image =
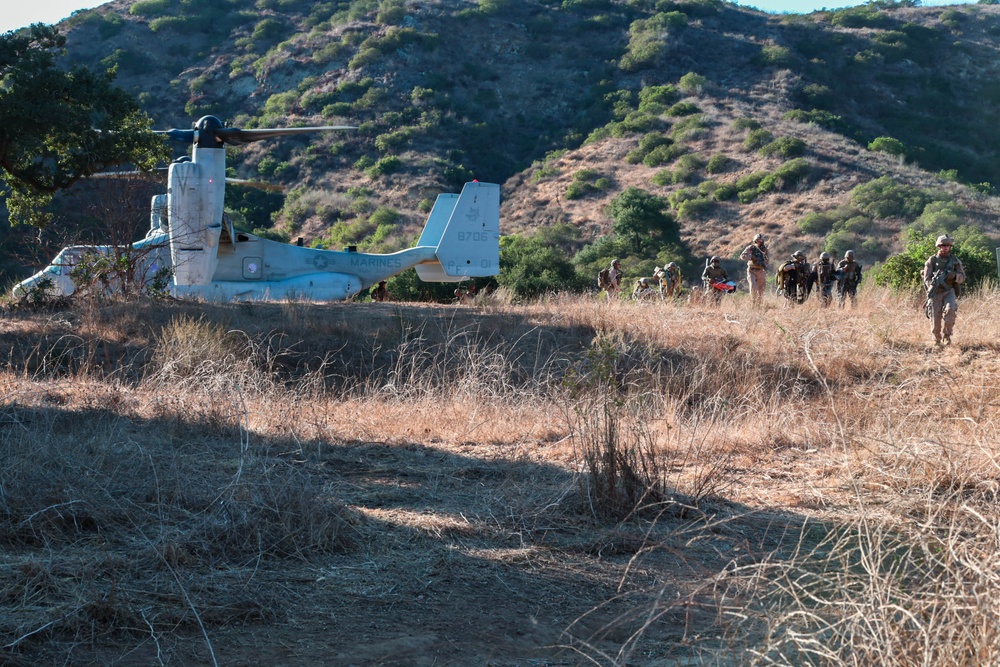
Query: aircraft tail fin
pixel 468 235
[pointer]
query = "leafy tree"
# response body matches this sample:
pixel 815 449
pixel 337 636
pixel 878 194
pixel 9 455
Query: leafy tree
pixel 58 126
pixel 537 264
pixel 641 218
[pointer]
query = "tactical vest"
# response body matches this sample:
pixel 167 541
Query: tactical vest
pixel 824 272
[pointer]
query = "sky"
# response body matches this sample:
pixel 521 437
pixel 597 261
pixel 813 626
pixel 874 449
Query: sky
pixel 19 13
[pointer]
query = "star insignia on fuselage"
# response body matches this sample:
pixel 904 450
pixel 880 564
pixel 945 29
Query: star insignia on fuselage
pixel 320 262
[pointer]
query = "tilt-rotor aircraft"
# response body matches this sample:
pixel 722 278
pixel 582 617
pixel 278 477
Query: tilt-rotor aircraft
pixel 191 234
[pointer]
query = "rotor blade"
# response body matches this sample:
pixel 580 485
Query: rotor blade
pixel 271 187
pixel 180 136
pixel 235 136
pixel 158 172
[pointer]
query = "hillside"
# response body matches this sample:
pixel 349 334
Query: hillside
pixel 560 103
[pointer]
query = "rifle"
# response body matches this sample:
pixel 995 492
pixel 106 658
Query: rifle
pixel 937 280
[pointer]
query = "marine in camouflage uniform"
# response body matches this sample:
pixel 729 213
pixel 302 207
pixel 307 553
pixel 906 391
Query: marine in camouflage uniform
pixel 670 281
pixel 793 278
pixel 943 273
pixel 380 293
pixel 756 256
pixel 850 278
pixel 616 277
pixel 825 275
pixel 714 273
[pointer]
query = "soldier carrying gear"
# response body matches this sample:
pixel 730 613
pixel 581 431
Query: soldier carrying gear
pixel 943 275
pixel 756 256
pixel 792 278
pixel 645 288
pixel 713 277
pixel 850 278
pixel 381 293
pixel 609 279
pixel 670 280
pixel 825 275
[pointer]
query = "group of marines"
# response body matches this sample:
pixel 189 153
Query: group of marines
pixel 942 276
pixel 795 279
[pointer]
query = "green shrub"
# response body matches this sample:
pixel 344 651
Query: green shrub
pixel 647 143
pixel 839 242
pixel 175 23
pixel 683 109
pixel 688 127
pixel 864 16
pixel 819 222
pixel 637 121
pixel 391 12
pixel 824 119
pixel 757 139
pixel 793 171
pixel 717 164
pixel 786 147
pixel 586 182
pixel 384 166
pixel 268 29
pixel 751 181
pixel 691 83
pixel 654 99
pixel 887 145
pixel 663 154
pixel 744 123
pixel 724 192
pixel 816 95
pixel 939 217
pixel 395 139
pixel 885 198
pixel 773 55
pixel 149 8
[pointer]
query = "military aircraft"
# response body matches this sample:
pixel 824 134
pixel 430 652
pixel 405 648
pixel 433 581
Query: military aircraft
pixel 192 236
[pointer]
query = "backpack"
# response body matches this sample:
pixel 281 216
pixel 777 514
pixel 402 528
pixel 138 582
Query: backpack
pixel 604 279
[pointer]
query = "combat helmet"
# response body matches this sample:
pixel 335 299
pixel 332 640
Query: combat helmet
pixel 849 254
pixel 824 256
pixel 944 239
pixel 798 254
pixel 715 260
pixel 759 237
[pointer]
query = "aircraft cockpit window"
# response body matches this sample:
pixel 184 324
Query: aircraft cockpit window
pixel 54 270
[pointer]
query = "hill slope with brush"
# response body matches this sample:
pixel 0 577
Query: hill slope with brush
pixel 741 121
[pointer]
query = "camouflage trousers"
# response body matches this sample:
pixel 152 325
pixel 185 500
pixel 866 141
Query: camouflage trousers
pixel 757 280
pixel 944 311
pixel 826 293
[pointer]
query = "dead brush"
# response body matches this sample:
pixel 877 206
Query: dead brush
pixel 924 593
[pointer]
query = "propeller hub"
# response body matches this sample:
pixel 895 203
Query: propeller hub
pixel 207 135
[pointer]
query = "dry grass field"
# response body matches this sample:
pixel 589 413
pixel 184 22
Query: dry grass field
pixel 567 482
